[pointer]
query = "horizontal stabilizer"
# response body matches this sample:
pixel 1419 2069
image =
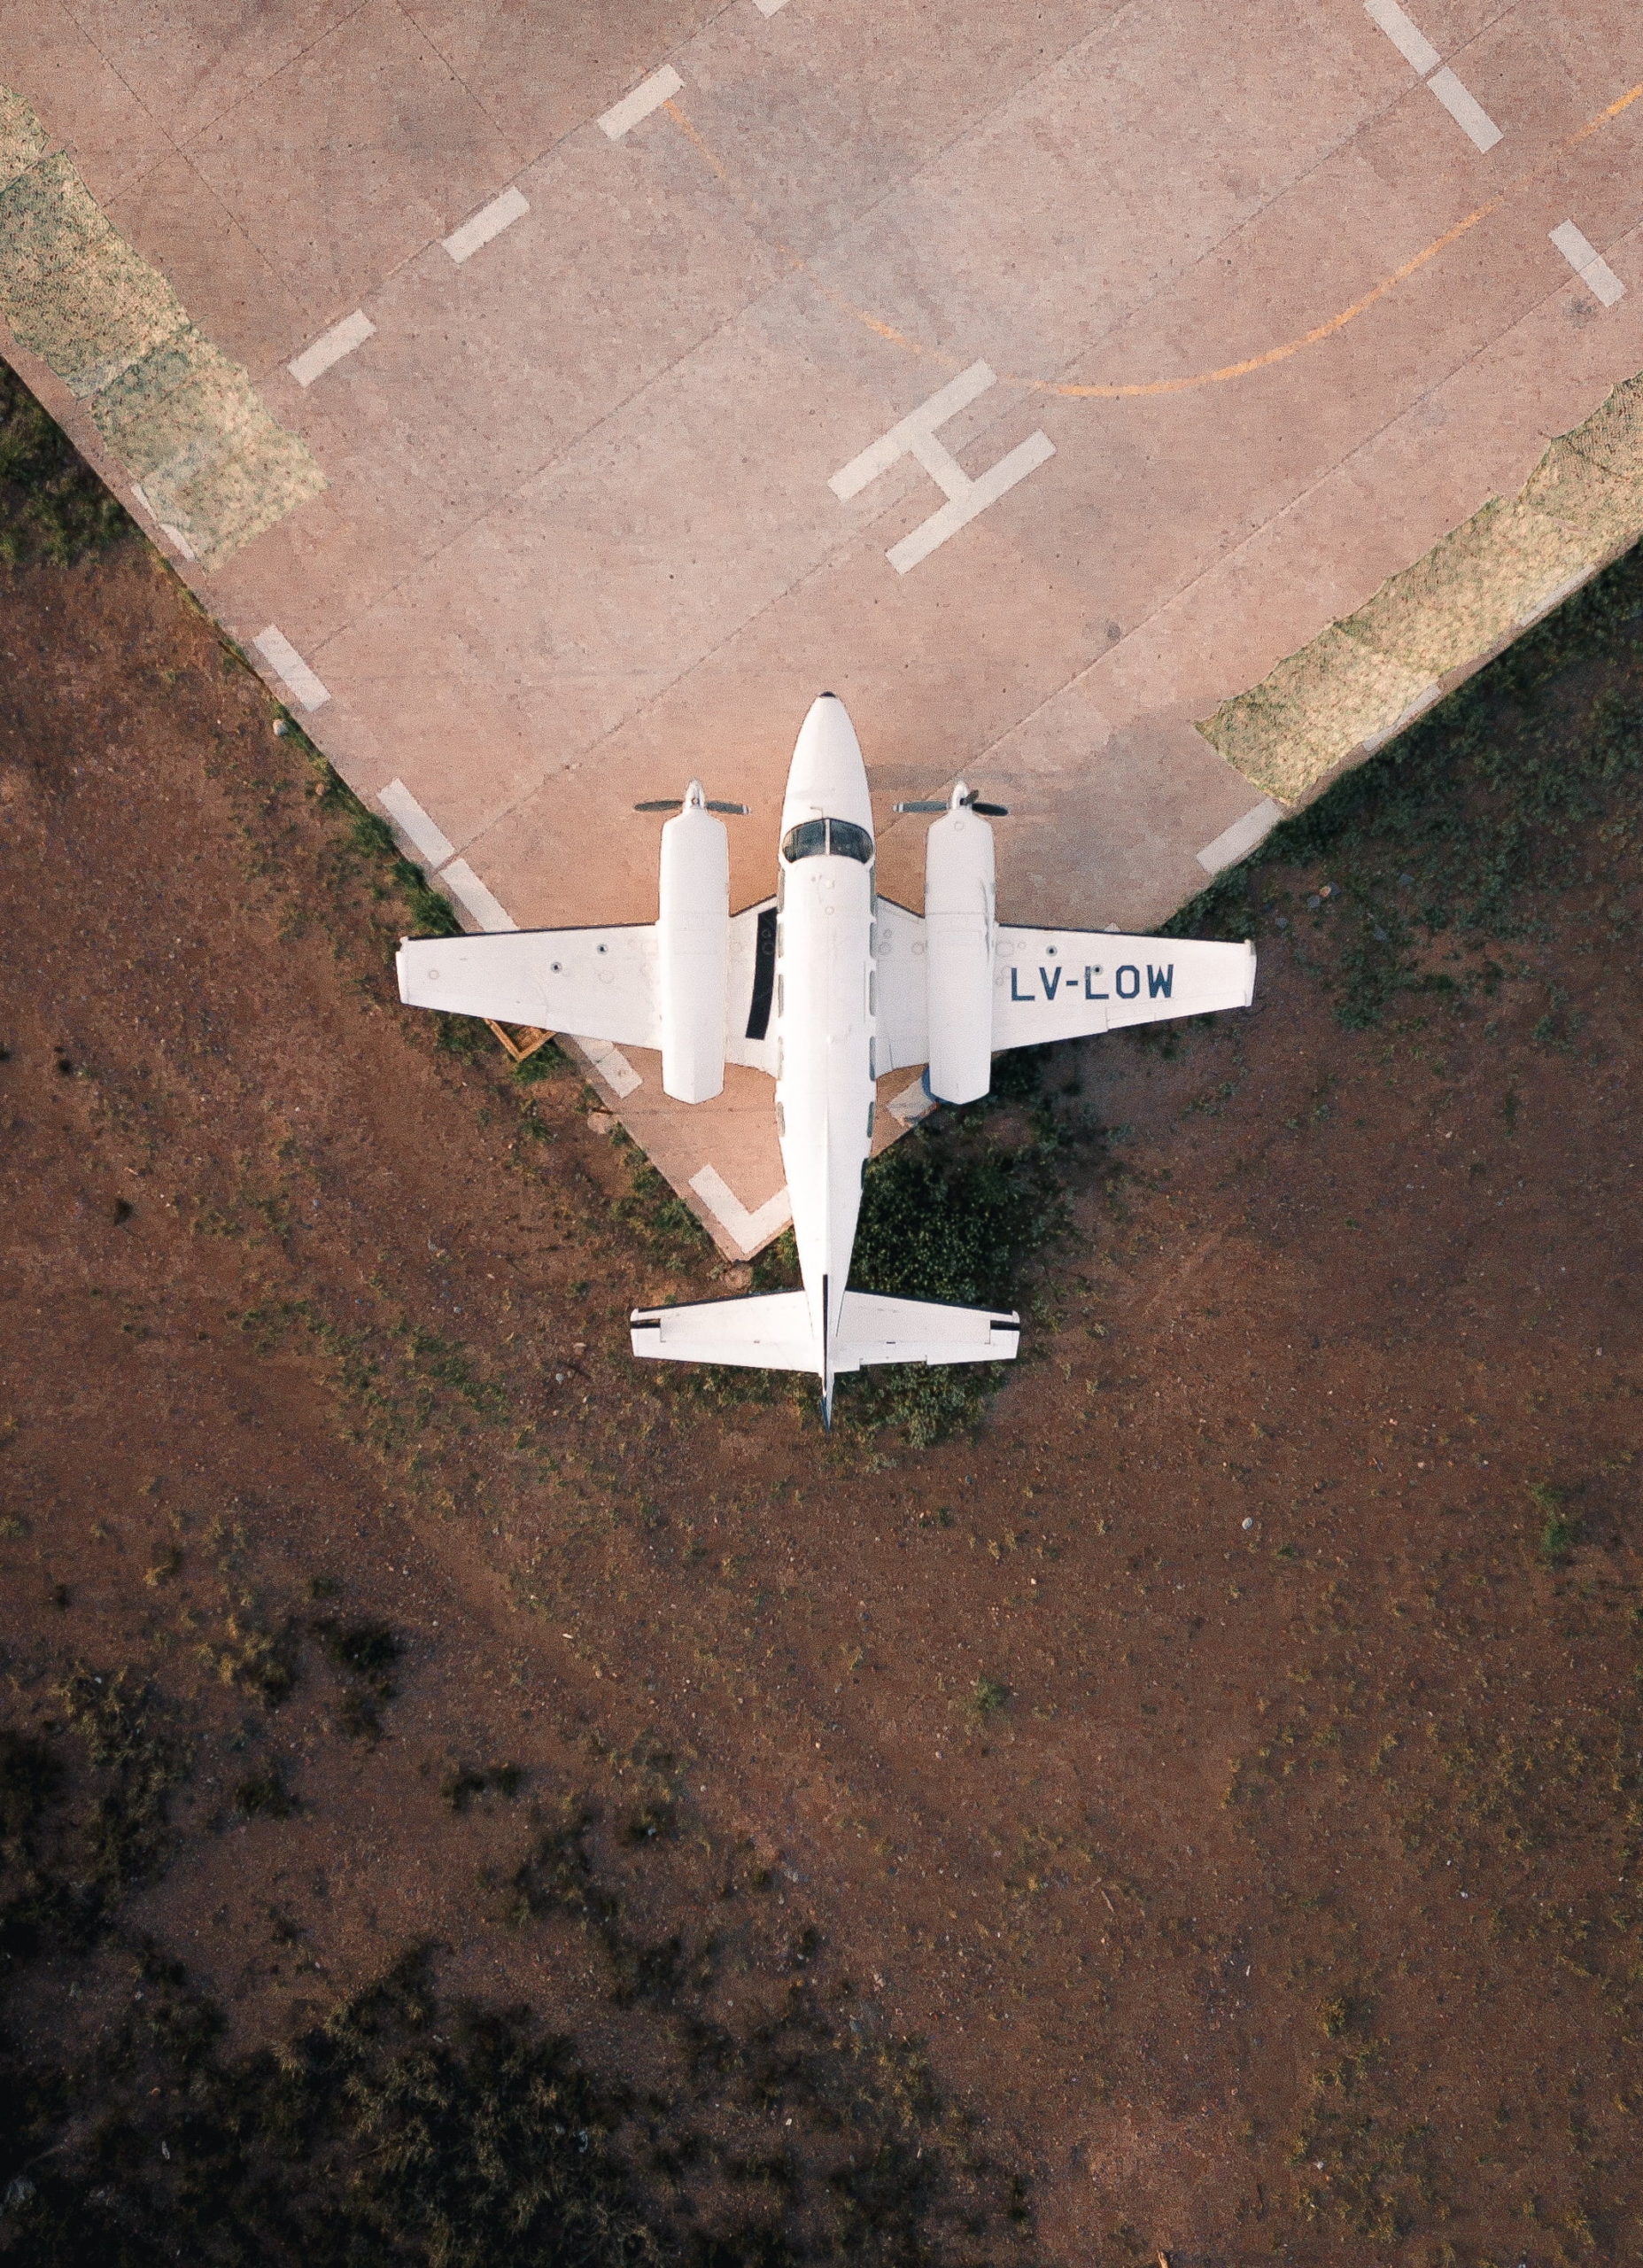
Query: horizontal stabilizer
pixel 769 1330
pixel 874 1328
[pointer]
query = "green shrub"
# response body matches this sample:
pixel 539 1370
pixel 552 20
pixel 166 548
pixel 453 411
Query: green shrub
pixel 52 505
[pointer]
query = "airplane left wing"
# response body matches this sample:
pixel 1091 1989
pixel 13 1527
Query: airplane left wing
pixel 590 983
pixel 901 1002
pixel 1064 983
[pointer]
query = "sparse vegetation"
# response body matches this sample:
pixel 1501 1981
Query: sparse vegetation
pixel 1455 841
pixel 464 1787
pixel 367 1654
pixel 52 506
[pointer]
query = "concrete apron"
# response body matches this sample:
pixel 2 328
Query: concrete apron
pixel 549 427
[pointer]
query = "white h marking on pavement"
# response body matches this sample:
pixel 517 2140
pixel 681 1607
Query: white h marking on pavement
pixel 1419 53
pixel 1588 263
pixel 915 437
pixel 649 95
pixel 746 1229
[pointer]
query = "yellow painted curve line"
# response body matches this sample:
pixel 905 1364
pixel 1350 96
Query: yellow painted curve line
pixel 1071 390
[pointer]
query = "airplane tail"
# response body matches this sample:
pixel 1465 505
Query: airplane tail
pixel 764 1331
pixel 877 1329
pixel 771 1330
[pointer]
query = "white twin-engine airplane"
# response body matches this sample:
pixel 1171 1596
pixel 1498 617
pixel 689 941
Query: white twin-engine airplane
pixel 825 986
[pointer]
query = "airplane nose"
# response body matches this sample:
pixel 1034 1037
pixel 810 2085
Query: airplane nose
pixel 827 777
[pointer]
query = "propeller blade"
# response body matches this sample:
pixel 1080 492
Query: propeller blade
pixel 740 810
pixel 990 811
pixel 668 804
pixel 921 807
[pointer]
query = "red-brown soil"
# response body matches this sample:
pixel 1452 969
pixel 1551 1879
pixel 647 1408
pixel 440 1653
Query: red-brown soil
pixel 1226 1763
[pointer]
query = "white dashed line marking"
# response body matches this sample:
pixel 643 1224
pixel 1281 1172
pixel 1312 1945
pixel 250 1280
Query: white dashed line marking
pixel 1588 263
pixel 649 95
pixel 332 346
pixel 174 536
pixel 915 437
pixel 488 222
pixel 288 666
pixel 487 908
pixel 1238 841
pixel 612 1067
pixel 746 1229
pixel 429 841
pixel 1467 112
pixel 1419 53
pixel 1409 40
pixel 912 1104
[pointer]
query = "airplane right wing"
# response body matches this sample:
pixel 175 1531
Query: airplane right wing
pixel 1064 983
pixel 750 989
pixel 590 983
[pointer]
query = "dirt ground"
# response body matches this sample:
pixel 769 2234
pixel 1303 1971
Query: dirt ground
pixel 1223 1766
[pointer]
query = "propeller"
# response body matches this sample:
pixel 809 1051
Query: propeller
pixel 963 799
pixel 695 797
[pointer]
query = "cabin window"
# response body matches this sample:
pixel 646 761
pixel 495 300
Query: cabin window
pixel 869 1117
pixel 818 838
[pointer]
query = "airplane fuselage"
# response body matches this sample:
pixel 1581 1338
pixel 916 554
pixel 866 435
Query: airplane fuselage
pixel 824 1013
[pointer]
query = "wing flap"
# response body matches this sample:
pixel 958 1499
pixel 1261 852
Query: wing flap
pixel 874 1328
pixel 1065 983
pixel 591 984
pixel 901 1008
pixel 769 1331
pixel 750 990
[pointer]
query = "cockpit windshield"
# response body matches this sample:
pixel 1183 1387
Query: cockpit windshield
pixel 817 838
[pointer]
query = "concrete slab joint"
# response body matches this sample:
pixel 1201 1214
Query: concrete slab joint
pixel 1589 264
pixel 300 680
pixel 437 854
pixel 649 95
pixel 1419 53
pixel 915 437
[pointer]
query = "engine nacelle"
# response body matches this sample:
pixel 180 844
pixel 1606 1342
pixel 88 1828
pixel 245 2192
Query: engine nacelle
pixel 693 953
pixel 958 955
